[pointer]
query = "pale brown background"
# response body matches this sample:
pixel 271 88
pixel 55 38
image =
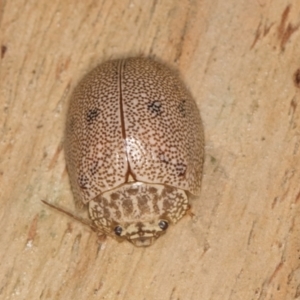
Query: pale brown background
pixel 239 59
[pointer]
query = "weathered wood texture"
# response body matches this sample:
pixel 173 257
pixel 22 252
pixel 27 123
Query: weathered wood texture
pixel 239 59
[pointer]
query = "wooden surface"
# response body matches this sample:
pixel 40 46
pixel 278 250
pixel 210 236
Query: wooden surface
pixel 240 61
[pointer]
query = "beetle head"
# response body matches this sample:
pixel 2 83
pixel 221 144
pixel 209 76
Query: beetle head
pixel 141 234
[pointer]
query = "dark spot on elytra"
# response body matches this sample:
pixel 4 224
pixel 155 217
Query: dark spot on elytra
pixel 181 169
pixel 83 181
pixel 181 107
pixel 92 115
pixel 163 158
pixel 155 108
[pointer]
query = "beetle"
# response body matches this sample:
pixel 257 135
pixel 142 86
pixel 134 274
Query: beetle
pixel 134 148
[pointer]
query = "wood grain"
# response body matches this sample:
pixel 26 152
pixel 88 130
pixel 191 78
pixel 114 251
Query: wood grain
pixel 240 59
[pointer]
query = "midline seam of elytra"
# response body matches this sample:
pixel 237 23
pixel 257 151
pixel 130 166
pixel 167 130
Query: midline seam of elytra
pixel 121 71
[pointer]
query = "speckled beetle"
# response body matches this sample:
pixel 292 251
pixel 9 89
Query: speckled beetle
pixel 134 148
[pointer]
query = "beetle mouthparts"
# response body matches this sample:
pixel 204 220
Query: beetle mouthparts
pixel 143 241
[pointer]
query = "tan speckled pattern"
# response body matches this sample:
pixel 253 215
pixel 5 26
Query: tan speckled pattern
pixel 132 117
pixel 95 149
pixel 163 128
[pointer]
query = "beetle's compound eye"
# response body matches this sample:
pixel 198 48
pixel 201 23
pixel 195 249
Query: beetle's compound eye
pixel 118 230
pixel 163 225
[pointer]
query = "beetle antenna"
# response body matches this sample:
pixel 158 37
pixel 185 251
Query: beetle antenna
pixel 77 218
